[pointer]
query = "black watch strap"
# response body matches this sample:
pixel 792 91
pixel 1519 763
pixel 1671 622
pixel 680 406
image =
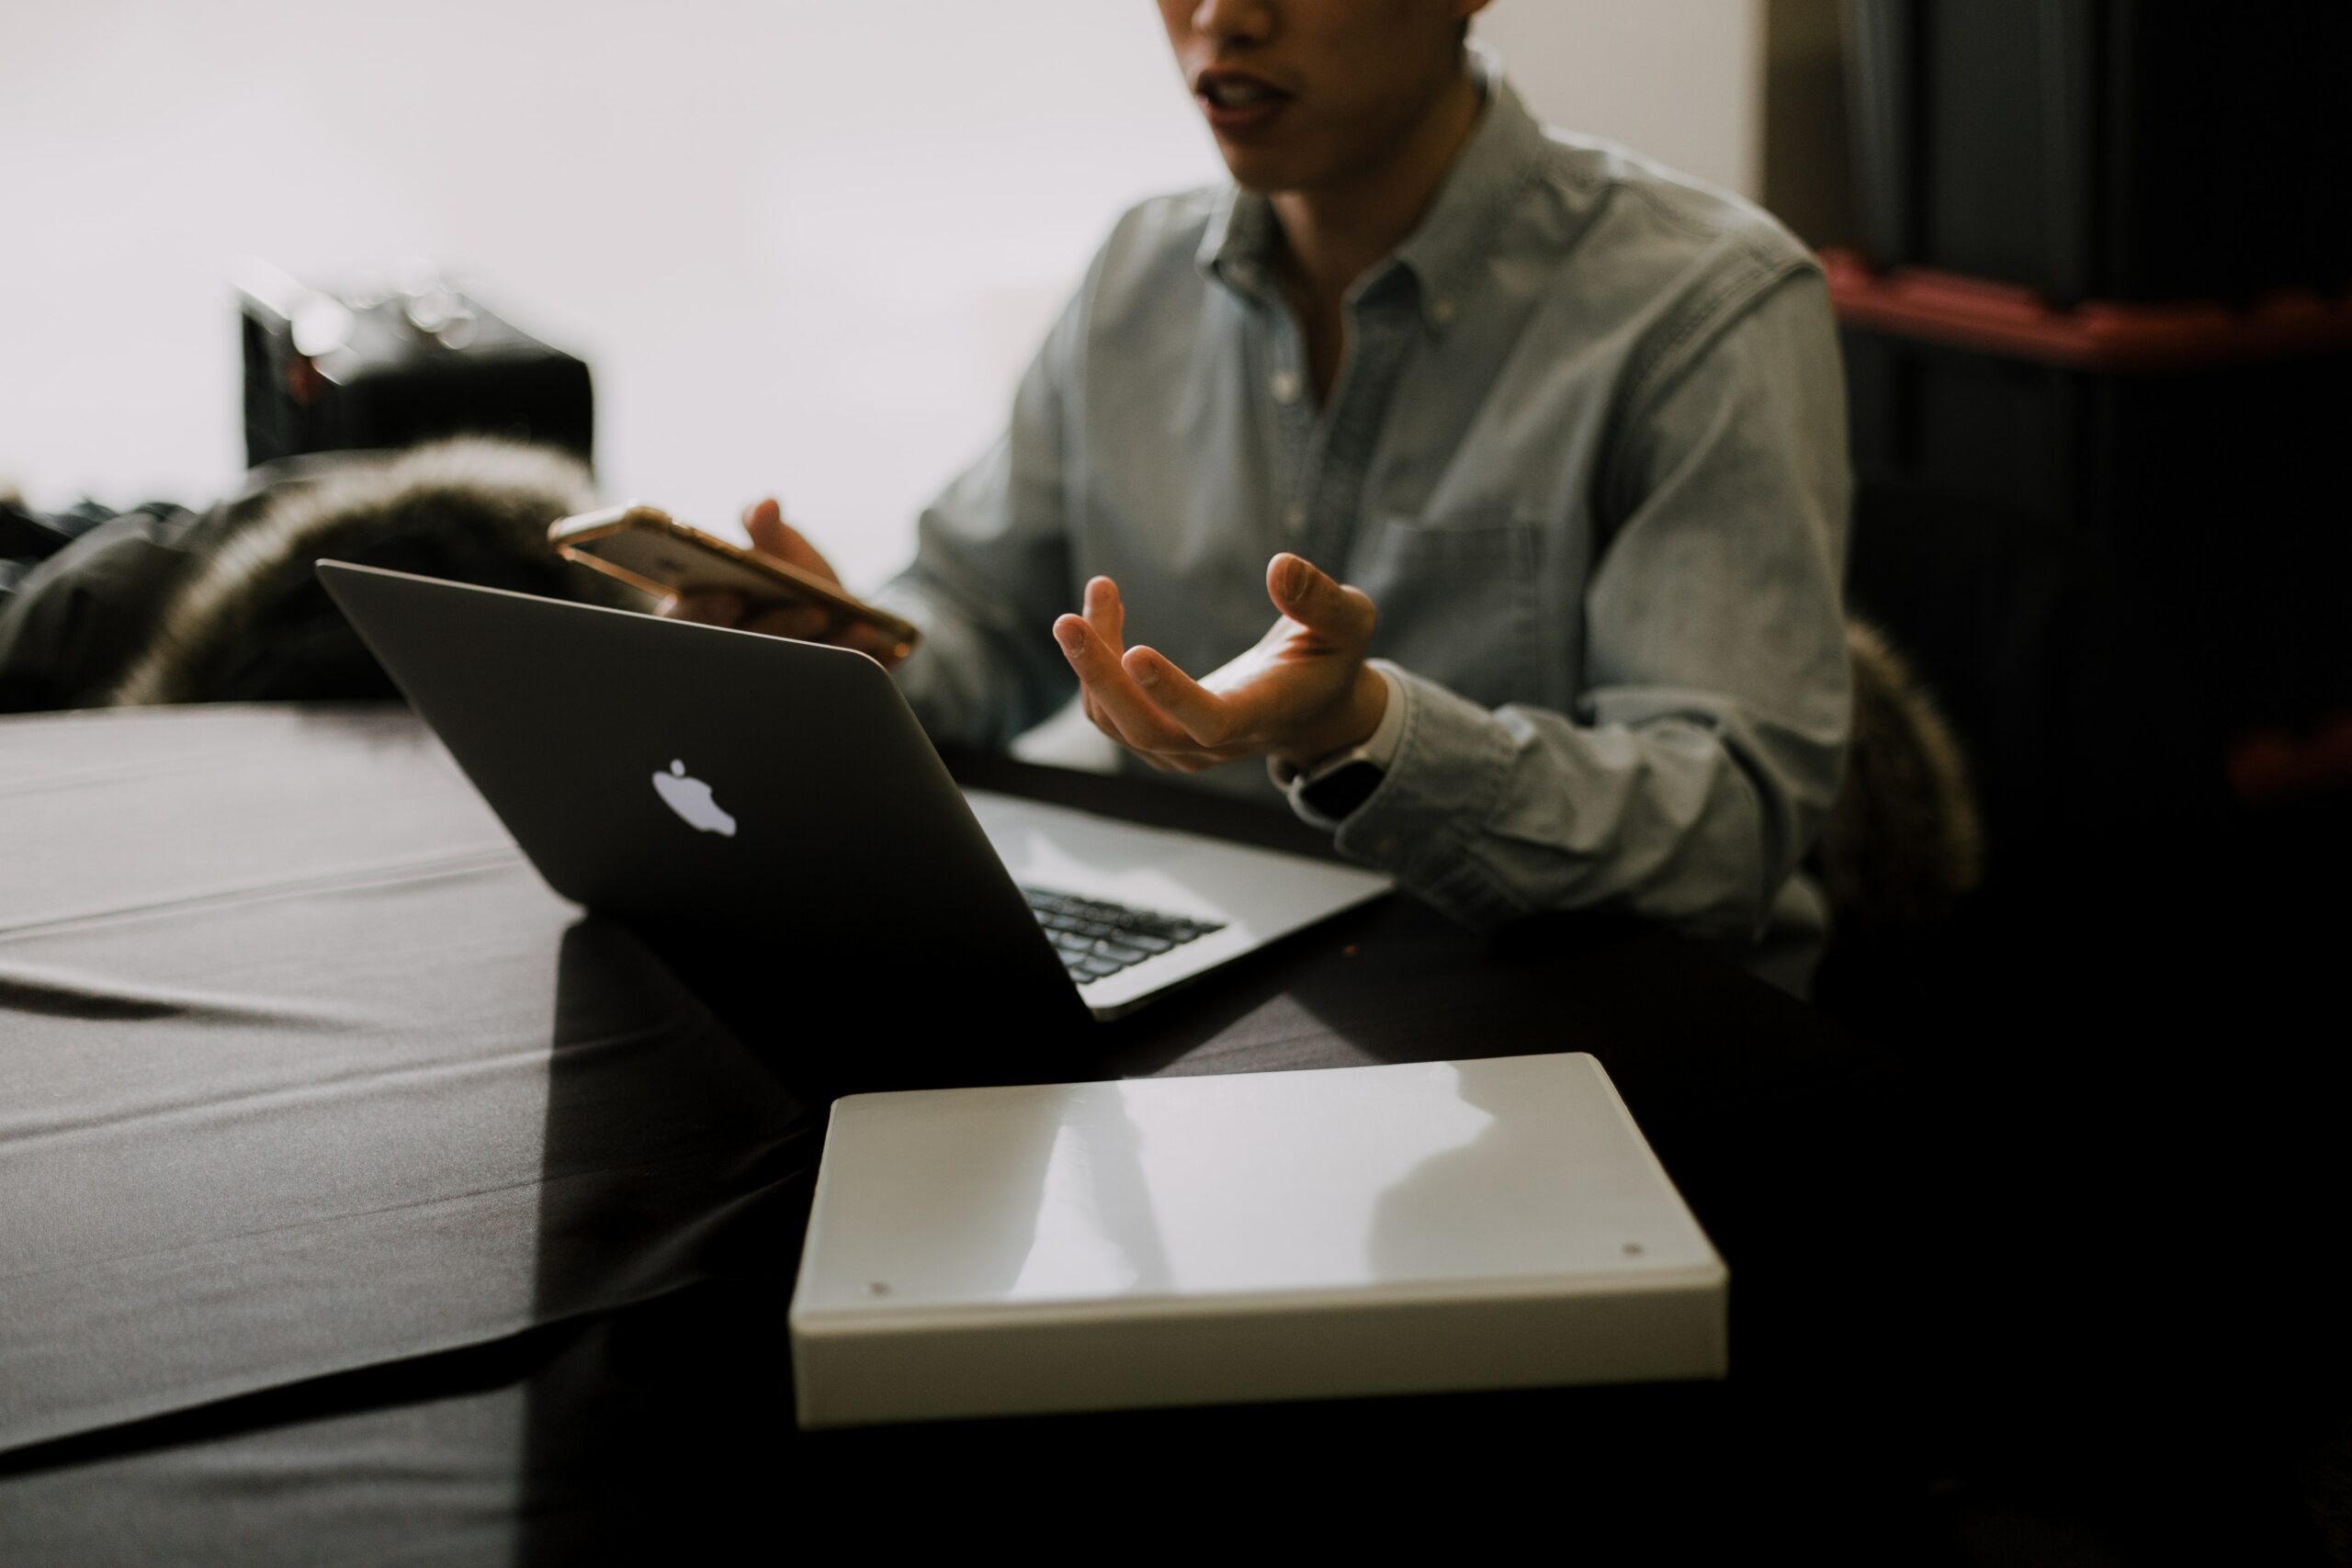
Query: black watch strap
pixel 1344 789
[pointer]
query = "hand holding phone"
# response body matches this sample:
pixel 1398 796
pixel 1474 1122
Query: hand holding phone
pixel 781 587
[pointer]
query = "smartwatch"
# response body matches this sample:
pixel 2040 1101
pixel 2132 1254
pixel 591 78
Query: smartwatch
pixel 1336 786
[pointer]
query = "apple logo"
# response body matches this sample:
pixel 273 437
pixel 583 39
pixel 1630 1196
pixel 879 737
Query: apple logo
pixel 690 798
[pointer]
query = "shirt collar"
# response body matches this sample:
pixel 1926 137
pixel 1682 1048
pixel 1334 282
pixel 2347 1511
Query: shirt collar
pixel 1444 253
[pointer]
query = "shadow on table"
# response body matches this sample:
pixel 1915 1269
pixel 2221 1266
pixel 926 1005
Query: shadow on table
pixel 691 1075
pixel 1800 1146
pixel 673 1158
pixel 669 1426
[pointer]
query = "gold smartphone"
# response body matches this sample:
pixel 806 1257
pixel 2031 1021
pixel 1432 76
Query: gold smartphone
pixel 655 553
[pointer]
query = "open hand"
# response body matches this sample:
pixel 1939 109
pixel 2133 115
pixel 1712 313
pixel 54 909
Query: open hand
pixel 771 534
pixel 1301 694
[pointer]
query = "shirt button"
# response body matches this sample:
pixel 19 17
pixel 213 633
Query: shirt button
pixel 1442 310
pixel 1294 519
pixel 1387 848
pixel 1286 386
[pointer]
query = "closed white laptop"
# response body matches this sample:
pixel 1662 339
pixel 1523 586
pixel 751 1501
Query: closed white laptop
pixel 1257 1237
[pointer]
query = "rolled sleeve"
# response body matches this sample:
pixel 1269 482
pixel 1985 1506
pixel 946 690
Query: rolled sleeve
pixel 1452 761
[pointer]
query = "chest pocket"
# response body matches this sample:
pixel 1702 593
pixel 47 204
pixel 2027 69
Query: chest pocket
pixel 1457 598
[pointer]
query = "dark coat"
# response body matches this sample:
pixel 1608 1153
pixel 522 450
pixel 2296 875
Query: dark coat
pixel 164 604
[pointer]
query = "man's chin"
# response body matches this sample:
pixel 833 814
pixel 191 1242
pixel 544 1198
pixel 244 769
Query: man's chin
pixel 1263 171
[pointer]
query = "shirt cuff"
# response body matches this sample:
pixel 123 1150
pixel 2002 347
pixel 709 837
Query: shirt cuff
pixel 1381 750
pixel 1424 825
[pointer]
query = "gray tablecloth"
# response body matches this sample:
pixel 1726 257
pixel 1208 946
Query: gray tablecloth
pixel 302 1069
pixel 360 1198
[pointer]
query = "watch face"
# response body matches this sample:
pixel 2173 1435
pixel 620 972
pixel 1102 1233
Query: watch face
pixel 1343 790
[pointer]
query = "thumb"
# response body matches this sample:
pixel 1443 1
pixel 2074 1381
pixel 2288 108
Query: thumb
pixel 763 520
pixel 1310 596
pixel 771 534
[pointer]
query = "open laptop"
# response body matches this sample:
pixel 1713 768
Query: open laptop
pixel 693 776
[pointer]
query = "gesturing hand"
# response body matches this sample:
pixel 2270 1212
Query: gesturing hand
pixel 1302 693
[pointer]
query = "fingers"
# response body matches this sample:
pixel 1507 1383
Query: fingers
pixel 1115 704
pixel 1107 613
pixel 771 534
pixel 1184 762
pixel 711 607
pixel 724 607
pixel 804 623
pixel 1203 716
pixel 1308 595
pixel 1114 700
pixel 883 647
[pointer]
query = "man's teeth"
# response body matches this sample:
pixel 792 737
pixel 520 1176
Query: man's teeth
pixel 1238 94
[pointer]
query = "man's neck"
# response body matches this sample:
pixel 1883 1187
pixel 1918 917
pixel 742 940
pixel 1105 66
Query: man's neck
pixel 1338 232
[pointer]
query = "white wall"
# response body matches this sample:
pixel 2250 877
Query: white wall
pixel 805 245
pixel 1679 79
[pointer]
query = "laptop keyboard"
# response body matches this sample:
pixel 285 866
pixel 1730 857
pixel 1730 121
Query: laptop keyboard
pixel 1097 939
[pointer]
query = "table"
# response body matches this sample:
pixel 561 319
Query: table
pixel 358 1196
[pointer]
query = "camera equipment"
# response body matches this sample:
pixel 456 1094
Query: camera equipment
pixel 385 367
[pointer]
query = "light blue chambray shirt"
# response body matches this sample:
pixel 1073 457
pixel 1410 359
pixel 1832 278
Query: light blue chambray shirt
pixel 1587 454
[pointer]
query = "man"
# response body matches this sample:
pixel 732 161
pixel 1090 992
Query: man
pixel 1571 426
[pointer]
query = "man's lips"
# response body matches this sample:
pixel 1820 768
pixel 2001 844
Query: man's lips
pixel 1238 101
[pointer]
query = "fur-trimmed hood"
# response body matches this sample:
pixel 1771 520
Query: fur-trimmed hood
pixel 250 621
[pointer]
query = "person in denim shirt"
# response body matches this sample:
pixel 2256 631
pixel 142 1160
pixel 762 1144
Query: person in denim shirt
pixel 1532 452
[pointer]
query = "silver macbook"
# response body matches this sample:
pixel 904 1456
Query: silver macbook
pixel 706 778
